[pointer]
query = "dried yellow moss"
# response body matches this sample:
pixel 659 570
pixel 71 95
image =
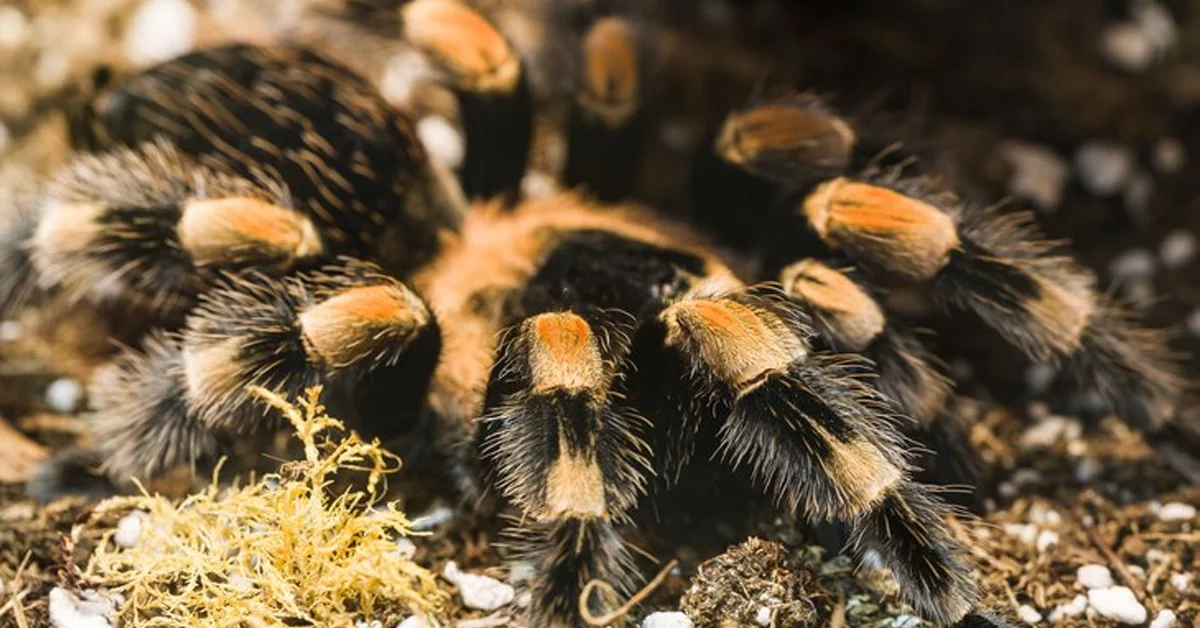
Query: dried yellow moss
pixel 280 550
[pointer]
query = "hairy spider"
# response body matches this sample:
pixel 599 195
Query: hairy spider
pixel 280 225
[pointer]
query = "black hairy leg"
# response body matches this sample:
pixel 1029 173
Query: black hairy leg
pixel 817 438
pixel 344 326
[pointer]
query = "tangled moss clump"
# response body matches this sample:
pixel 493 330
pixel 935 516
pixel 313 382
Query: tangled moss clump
pixel 280 550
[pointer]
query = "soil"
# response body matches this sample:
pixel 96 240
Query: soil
pixel 959 81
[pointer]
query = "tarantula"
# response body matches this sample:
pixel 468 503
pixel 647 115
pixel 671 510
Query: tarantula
pixel 281 225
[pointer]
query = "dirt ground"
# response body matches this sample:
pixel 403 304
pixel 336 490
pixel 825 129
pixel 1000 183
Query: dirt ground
pixel 1015 100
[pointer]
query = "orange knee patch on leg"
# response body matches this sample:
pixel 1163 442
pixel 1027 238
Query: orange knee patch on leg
pixel 905 235
pixel 857 318
pixel 349 326
pixel 463 42
pixel 611 72
pixel 228 230
pixel 563 352
pixel 781 131
pixel 736 341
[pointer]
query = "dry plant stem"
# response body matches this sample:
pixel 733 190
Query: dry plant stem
pixel 623 609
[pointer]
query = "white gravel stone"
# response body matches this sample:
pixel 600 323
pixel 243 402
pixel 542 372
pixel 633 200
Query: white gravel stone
pixel 1028 614
pixel 1038 377
pixel 1073 608
pixel 405 547
pixel 362 623
pixel 1165 619
pixel 661 619
pixel 442 140
pixel 160 30
pixel 13 27
pixel 1094 576
pixel 403 73
pixel 1133 265
pixel 538 184
pixel 415 621
pixel 432 519
pixel 1104 167
pixel 1176 511
pixel 1087 469
pixel 1127 46
pixel 10 331
pixel 1039 173
pixel 84 611
pixel 1157 24
pixel 478 592
pixel 521 572
pixel 1026 532
pixel 763 616
pixel 1045 540
pixel 1117 603
pixel 1181 581
pixel 64 395
pixel 1178 249
pixel 1169 155
pixel 1048 431
pixel 906 621
pixel 129 529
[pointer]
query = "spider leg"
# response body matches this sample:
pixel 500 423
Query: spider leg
pixel 850 320
pixel 818 438
pixel 346 326
pixel 995 265
pixel 151 227
pixel 566 451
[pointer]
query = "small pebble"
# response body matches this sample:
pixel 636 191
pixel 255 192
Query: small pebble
pixel 442 140
pixel 432 519
pixel 415 621
pixel 1181 581
pixel 1155 555
pixel 1039 377
pixel 1126 45
pixel 1176 511
pixel 403 73
pixel 1104 167
pixel 160 30
pixel 1039 173
pixel 661 619
pixel 1073 608
pixel 1133 265
pixel 1165 619
pixel 1048 431
pixel 1046 539
pixel 405 547
pixel 1178 249
pixel 1169 155
pixel 1157 24
pixel 906 621
pixel 479 592
pixel 70 611
pixel 129 529
pixel 763 616
pixel 1028 614
pixel 64 395
pixel 537 184
pixel 13 27
pixel 1041 514
pixel 1094 576
pixel 10 331
pixel 362 623
pixel 523 600
pixel 1087 469
pixel 1117 603
pixel 1027 533
pixel 521 572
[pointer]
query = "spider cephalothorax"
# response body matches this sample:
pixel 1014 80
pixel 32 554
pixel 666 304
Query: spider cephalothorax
pixel 283 228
